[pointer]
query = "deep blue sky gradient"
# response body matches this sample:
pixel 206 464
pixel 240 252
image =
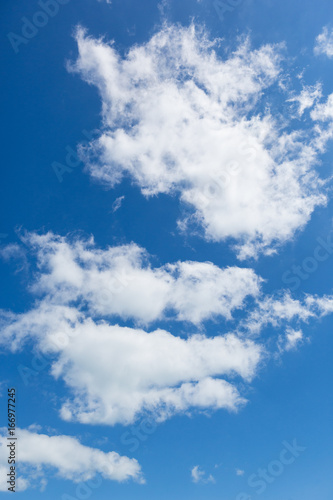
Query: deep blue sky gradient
pixel 44 110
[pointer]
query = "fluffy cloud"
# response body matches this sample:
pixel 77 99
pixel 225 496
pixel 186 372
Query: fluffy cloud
pixel 179 119
pixel 324 43
pixel 66 456
pixel 119 281
pixel 117 373
pixel 150 372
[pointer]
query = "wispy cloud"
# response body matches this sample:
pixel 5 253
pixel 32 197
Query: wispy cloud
pixel 291 340
pixel 324 43
pixel 309 95
pixel 117 203
pixel 199 476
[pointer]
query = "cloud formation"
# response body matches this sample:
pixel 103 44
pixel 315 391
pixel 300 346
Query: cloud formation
pixel 119 281
pixel 66 456
pixel 282 309
pixel 324 43
pixel 291 340
pixel 115 373
pixel 309 95
pixel 177 118
pixel 118 373
pixel 199 476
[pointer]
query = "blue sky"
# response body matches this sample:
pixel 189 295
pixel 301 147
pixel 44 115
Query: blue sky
pixel 164 254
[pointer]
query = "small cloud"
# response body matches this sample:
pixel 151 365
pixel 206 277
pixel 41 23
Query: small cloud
pixel 13 252
pixel 197 474
pixel 307 98
pixel 324 43
pixel 34 428
pixel 117 203
pixel 293 337
pixel 239 472
pixel 131 31
pixel 200 476
pixel 102 441
pixel 43 484
pixel 291 340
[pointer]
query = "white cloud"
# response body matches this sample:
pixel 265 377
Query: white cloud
pixel 156 373
pixel 119 281
pixel 16 328
pixel 117 203
pixel 324 43
pixel 239 472
pixel 66 456
pixel 199 476
pixel 179 119
pixel 117 373
pixel 21 483
pixel 308 97
pixel 277 311
pixel 323 111
pixel 291 340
